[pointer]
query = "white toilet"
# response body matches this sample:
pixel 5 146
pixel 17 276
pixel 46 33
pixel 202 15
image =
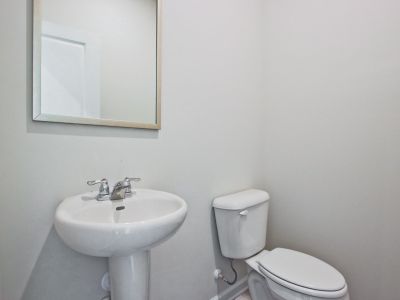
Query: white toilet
pixel 280 274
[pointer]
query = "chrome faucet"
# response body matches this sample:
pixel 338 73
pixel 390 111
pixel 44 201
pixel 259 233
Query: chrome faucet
pixel 104 189
pixel 123 188
pixel 120 191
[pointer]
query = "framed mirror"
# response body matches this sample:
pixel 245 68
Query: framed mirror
pixel 97 62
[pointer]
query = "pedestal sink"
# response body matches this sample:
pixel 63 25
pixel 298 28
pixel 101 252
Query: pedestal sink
pixel 122 230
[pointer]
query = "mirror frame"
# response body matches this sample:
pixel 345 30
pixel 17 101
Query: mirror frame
pixel 37 115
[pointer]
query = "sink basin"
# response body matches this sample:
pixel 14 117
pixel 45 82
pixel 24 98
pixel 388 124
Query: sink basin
pixel 122 227
pixel 122 230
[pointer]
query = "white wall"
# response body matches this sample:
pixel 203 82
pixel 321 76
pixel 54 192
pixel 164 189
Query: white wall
pixel 209 145
pixel 332 118
pixel 326 104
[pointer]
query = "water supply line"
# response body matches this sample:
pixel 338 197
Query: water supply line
pixel 219 275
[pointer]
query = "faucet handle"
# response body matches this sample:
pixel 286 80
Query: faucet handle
pixel 128 180
pixel 135 179
pixel 104 189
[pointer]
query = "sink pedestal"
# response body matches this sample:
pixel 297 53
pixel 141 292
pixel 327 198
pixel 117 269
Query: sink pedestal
pixel 130 276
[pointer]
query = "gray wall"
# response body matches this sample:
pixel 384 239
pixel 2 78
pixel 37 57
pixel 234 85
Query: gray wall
pixel 209 145
pixel 332 144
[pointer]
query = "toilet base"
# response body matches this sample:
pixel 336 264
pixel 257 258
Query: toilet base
pixel 258 287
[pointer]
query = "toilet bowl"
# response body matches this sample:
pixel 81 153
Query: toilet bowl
pixel 280 274
pixel 286 274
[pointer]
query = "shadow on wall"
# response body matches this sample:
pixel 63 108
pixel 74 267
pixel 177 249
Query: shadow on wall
pixel 63 274
pixel 68 129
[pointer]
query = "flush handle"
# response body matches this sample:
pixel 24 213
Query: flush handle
pixel 244 212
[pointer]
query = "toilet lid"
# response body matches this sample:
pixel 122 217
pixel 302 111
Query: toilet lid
pixel 302 270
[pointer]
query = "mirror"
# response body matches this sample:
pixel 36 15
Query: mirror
pixel 97 62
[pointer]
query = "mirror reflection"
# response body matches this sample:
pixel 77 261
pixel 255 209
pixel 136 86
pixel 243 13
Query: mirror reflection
pixel 98 60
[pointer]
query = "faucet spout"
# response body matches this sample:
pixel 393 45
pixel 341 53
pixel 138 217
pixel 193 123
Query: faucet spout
pixel 119 191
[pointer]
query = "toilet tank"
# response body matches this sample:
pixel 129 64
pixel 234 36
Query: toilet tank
pixel 242 223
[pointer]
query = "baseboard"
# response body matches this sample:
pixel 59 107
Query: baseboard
pixel 233 291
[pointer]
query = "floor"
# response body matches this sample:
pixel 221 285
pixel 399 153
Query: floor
pixel 244 296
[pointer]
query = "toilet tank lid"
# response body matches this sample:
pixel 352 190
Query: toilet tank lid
pixel 241 200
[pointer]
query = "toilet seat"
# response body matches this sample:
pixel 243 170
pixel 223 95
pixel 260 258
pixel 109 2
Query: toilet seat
pixel 299 272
